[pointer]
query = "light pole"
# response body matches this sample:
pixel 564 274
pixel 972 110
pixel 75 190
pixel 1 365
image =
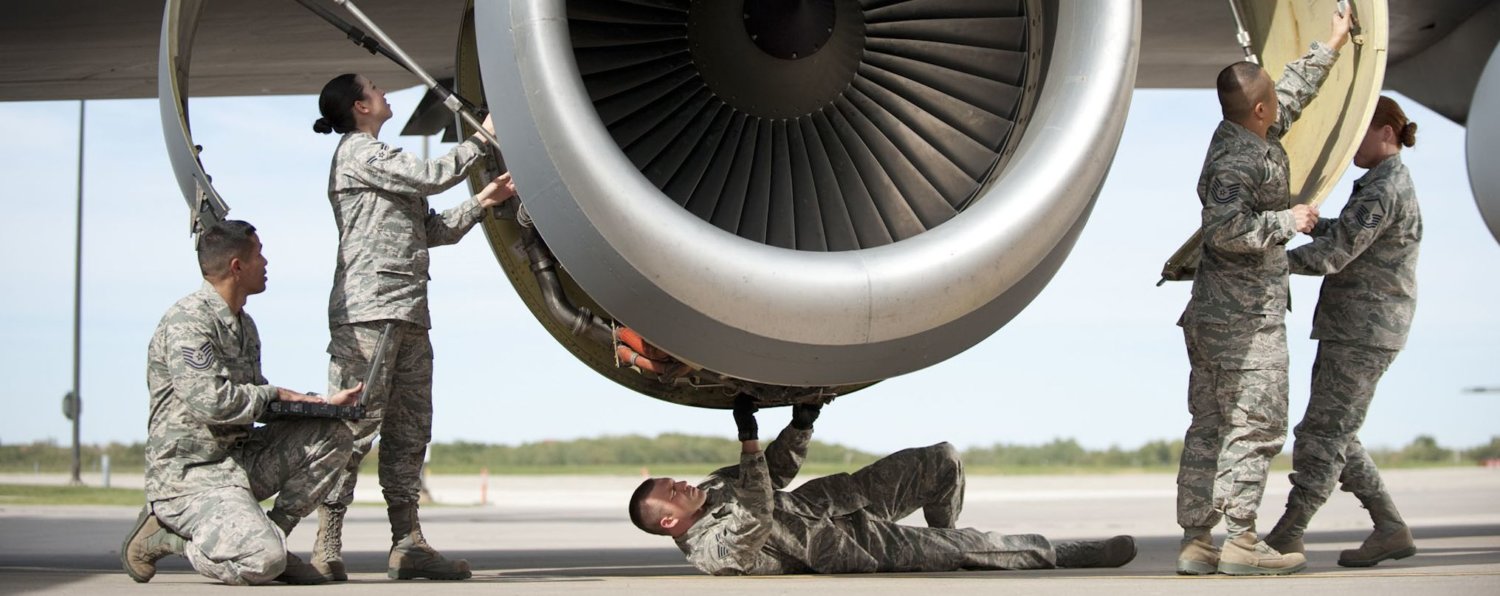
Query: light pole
pixel 75 408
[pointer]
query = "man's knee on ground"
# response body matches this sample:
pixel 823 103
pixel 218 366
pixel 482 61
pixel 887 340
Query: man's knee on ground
pixel 264 559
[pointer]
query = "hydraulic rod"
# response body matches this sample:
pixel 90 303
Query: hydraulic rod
pixel 1241 35
pixel 389 49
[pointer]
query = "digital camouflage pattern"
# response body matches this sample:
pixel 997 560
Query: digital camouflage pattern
pixel 207 466
pixel 398 406
pixel 229 536
pixel 1234 324
pixel 845 523
pixel 1246 217
pixel 379 198
pixel 1368 255
pixel 1327 450
pixel 203 372
pixel 1239 419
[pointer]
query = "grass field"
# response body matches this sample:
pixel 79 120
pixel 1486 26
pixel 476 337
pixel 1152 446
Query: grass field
pixel 25 494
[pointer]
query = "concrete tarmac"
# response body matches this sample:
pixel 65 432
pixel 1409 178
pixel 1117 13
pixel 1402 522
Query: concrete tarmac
pixel 570 535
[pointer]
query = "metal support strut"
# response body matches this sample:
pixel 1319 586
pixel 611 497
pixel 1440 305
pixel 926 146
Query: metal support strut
pixel 1243 37
pixel 373 45
pixel 382 44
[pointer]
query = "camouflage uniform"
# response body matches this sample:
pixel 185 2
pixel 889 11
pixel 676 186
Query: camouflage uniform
pixel 379 199
pixel 845 523
pixel 1369 257
pixel 1234 325
pixel 207 466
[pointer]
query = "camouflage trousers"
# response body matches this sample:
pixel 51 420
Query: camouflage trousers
pixel 398 405
pixel 1239 420
pixel 1327 449
pixel 932 479
pixel 229 537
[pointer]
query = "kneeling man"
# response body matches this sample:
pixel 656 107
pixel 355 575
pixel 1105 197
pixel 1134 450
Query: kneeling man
pixel 207 465
pixel 739 522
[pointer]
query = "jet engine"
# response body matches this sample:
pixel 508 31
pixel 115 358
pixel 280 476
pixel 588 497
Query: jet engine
pixel 788 198
pixel 808 194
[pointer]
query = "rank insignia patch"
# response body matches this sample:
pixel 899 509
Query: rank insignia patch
pixel 1367 216
pixel 199 358
pixel 1224 193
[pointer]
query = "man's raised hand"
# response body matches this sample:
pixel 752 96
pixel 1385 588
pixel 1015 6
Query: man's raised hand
pixel 804 415
pixel 1343 22
pixel 744 417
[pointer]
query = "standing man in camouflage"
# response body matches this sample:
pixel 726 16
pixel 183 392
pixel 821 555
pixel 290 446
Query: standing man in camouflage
pixel 1369 259
pixel 1234 325
pixel 379 199
pixel 207 466
pixel 739 522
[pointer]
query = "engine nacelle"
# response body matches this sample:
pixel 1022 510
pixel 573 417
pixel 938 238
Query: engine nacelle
pixel 875 190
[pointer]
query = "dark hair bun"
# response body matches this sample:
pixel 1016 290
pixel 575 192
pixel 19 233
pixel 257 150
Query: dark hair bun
pixel 1409 134
pixel 321 126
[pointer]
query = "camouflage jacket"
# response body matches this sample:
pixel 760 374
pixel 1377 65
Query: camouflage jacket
pixel 750 527
pixel 203 370
pixel 1369 257
pixel 379 198
pixel 1246 217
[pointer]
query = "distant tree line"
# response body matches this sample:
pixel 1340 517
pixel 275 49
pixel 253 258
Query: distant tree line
pixel 49 456
pixel 630 450
pixel 626 452
pixel 1067 453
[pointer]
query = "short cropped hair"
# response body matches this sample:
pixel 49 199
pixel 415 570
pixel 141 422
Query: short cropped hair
pixel 221 243
pixel 641 509
pixel 1238 92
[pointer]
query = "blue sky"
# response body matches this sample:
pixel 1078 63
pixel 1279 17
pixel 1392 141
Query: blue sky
pixel 1096 357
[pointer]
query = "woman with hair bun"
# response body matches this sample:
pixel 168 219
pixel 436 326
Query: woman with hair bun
pixel 379 199
pixel 1368 257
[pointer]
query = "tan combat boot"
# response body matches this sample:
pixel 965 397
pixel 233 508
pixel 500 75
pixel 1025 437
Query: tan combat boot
pixel 1247 555
pixel 1198 556
pixel 411 556
pixel 1286 537
pixel 1390 540
pixel 297 572
pixel 328 547
pixel 147 543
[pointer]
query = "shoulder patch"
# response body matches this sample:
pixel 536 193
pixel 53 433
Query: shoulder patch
pixel 1224 192
pixel 385 152
pixel 199 358
pixel 1369 213
pixel 382 151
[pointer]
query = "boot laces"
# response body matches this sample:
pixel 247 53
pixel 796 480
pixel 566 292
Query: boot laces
pixel 330 542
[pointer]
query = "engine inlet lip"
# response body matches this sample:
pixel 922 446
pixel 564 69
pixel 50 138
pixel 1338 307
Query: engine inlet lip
pixel 796 317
